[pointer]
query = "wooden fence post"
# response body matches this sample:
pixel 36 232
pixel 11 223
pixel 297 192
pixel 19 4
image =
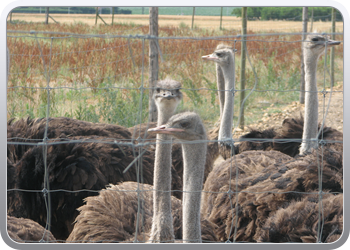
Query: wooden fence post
pixel 96 15
pixel 243 63
pixel 47 15
pixel 153 61
pixel 112 15
pixel 332 48
pixel 221 19
pixel 302 69
pixel 194 9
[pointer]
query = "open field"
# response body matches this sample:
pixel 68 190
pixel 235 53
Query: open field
pixel 88 76
pixel 209 22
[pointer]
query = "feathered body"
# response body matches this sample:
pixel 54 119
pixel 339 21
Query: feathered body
pixel 263 193
pixel 111 216
pixel 27 231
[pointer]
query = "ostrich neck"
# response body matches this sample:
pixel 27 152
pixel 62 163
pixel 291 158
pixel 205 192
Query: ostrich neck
pixel 227 115
pixel 194 161
pixel 311 106
pixel 162 225
pixel 220 81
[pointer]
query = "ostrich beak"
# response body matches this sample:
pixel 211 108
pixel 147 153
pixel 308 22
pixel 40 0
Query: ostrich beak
pixel 210 57
pixel 164 130
pixel 168 95
pixel 332 43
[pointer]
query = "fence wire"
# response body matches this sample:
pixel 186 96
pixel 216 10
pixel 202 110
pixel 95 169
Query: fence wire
pixel 102 79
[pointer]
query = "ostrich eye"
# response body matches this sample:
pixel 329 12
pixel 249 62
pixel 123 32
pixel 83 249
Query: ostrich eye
pixel 219 54
pixel 184 124
pixel 158 90
pixel 314 39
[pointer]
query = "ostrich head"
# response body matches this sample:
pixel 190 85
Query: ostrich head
pixel 184 126
pixel 167 94
pixel 223 55
pixel 316 44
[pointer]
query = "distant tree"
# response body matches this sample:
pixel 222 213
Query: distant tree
pixel 252 12
pixel 285 13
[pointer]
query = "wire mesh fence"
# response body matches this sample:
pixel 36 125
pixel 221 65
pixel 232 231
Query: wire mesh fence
pixel 60 82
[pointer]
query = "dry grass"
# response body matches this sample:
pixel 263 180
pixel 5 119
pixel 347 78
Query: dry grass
pixel 95 63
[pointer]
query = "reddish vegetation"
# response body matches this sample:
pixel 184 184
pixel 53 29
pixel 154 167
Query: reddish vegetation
pixel 92 60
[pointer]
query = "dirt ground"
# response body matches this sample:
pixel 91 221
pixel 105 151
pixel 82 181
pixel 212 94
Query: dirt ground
pixel 333 115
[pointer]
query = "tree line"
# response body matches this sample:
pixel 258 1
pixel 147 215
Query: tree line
pixel 287 13
pixel 72 10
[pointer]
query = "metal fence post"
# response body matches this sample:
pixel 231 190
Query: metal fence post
pixel 243 63
pixel 332 48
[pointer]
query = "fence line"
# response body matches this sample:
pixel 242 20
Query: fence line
pixel 48 59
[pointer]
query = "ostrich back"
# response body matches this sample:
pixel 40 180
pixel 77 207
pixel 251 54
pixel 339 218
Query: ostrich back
pixel 27 231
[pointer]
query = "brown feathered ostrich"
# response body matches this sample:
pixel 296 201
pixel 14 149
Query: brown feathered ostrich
pixel 162 228
pixel 223 56
pixel 29 130
pixel 189 127
pixel 80 168
pixel 123 213
pixel 24 230
pixel 299 221
pixel 140 131
pixel 241 216
pixel 75 171
pixel 306 127
pixel 313 47
pixel 115 214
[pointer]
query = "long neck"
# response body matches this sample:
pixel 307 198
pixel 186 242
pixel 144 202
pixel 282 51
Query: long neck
pixel 311 106
pixel 162 224
pixel 227 116
pixel 194 161
pixel 220 81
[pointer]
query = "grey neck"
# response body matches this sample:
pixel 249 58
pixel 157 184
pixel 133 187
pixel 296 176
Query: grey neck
pixel 162 224
pixel 220 81
pixel 311 106
pixel 226 123
pixel 194 161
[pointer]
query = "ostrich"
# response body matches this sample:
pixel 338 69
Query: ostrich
pixel 75 166
pixel 123 214
pixel 314 46
pixel 188 127
pixel 288 224
pixel 115 214
pixel 33 130
pixel 281 173
pixel 140 130
pixel 24 230
pixel 261 193
pixel 223 56
pixel 166 101
pixel 299 128
pixel 74 171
